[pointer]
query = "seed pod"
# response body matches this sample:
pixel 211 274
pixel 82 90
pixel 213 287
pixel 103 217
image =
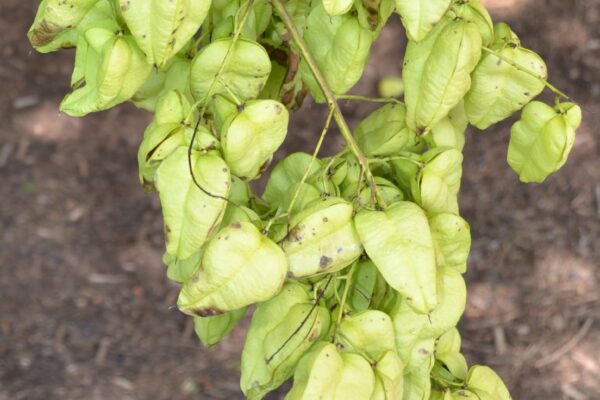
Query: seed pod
pixel 240 266
pixel 223 13
pixel 541 140
pixel 363 285
pixel 417 380
pixel 473 11
pixel 462 395
pixel 389 377
pixel 340 47
pixel 419 16
pixel 337 7
pixel 287 173
pixel 401 236
pixel 368 332
pixel 281 331
pixel 447 352
pixel 322 239
pixel 56 22
pixel 411 327
pixel 113 69
pixel 181 270
pixel 190 215
pixel 245 74
pixel 390 86
pixel 486 384
pixel 384 132
pixel 437 187
pixel 317 374
pixel 357 380
pixel 388 191
pixel 162 28
pixel 250 137
pixel 172 107
pixel 451 239
pixel 437 72
pixel 500 86
pixel 450 130
pixel 449 342
pixel 211 330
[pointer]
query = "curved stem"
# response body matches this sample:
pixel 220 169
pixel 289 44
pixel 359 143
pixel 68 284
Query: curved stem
pixel 368 99
pixel 527 71
pixel 329 96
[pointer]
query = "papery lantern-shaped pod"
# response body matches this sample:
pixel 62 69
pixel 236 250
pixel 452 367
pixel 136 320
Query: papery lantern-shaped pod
pixel 322 238
pixel 251 136
pixel 368 332
pixel 450 130
pixel 500 85
pixel 389 377
pixel 245 74
pixel 451 239
pixel 161 28
pixel 486 384
pixel 240 266
pixel 473 11
pixel 384 132
pixel 420 16
pixel 210 330
pixel 437 72
pixel 399 242
pixel 281 332
pixel 191 214
pixel 337 7
pixel 541 140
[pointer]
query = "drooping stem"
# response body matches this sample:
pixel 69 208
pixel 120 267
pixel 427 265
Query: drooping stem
pixel 330 97
pixel 526 71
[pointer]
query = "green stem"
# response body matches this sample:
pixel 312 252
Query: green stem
pixel 329 96
pixel 345 293
pixel 368 99
pixel 527 71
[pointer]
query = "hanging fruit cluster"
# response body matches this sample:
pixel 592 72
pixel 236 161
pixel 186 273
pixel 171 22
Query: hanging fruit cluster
pixel 353 261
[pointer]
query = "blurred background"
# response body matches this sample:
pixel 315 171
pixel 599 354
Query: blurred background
pixel 85 307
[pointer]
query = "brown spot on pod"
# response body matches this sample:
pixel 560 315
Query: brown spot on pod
pixel 325 261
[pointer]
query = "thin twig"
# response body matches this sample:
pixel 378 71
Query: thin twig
pixel 568 346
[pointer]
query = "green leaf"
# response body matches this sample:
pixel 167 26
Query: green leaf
pixel 486 384
pixel 340 47
pixel 399 242
pixel 419 16
pixel 499 88
pixel 439 181
pixel 541 140
pixel 211 330
pixel 437 72
pixel 245 74
pixel 240 266
pixel 451 239
pixel 250 137
pixel 363 285
pixel 384 132
pixel 322 238
pixel 190 215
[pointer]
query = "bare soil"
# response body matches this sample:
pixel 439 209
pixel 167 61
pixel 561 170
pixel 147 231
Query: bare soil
pixel 86 311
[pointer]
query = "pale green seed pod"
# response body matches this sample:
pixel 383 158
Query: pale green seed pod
pixel 451 240
pixel 190 215
pixel 437 72
pixel 281 332
pixel 337 7
pixel 357 380
pixel 373 14
pixel 240 266
pixel 449 342
pixel 473 11
pixel 388 191
pixel 245 74
pixel 368 332
pixel 438 183
pixel 447 351
pixel 462 395
pixel 287 173
pixel 419 16
pixel 389 374
pixel 161 28
pixel 541 140
pixel 450 130
pixel 391 86
pixel 56 22
pixel 251 136
pixel 384 132
pixel 499 87
pixel 211 330
pixel 113 69
pixel 363 286
pixel 322 238
pixel 223 12
pixel 317 374
pixel 340 47
pixel 401 235
pixel 417 380
pixel 486 384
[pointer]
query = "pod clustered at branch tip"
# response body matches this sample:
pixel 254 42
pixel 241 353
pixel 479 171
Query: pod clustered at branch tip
pixel 354 261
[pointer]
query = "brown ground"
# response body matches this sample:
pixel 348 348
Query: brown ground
pixel 85 307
